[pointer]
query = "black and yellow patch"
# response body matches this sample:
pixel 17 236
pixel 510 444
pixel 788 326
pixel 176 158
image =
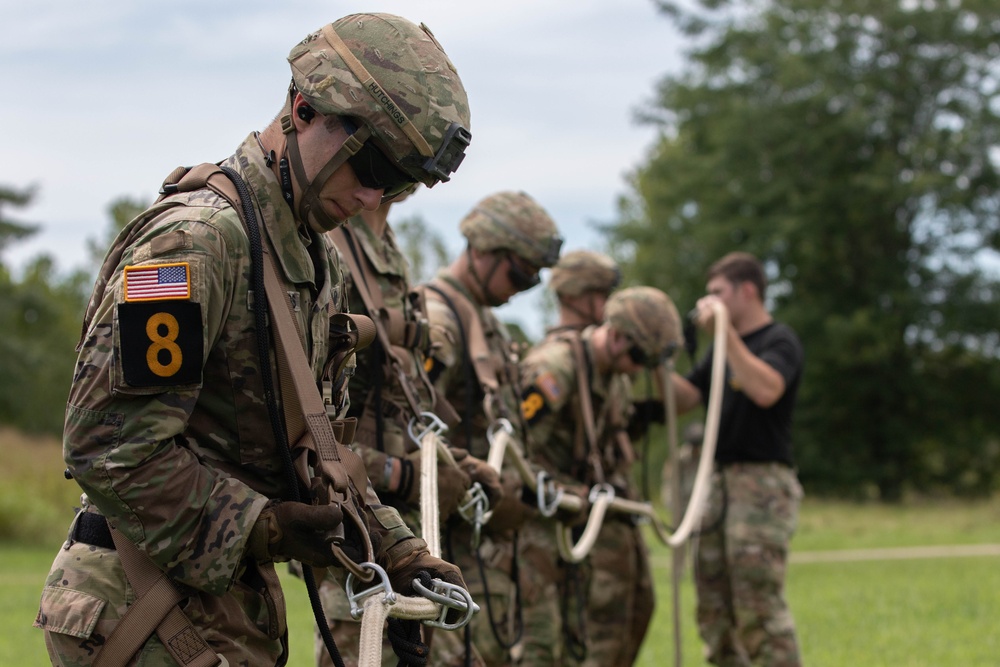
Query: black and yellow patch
pixel 161 343
pixel 433 368
pixel 533 405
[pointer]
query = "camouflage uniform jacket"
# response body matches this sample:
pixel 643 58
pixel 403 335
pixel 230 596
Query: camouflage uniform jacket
pixel 184 466
pixel 551 406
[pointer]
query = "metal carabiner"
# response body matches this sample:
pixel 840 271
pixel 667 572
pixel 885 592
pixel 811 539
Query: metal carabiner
pixel 449 596
pixel 548 495
pixel 435 424
pixel 390 596
pixel 601 489
pixel 476 511
pixel 502 424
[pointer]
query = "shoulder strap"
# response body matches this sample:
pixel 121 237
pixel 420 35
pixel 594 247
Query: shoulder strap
pixel 476 349
pixel 585 403
pixel 345 239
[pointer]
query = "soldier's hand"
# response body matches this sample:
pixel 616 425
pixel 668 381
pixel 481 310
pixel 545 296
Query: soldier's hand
pixel 295 531
pixel 420 564
pixel 480 471
pixel 453 482
pixel 511 512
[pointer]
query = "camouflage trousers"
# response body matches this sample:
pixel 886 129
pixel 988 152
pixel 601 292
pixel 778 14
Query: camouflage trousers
pixel 740 563
pixel 495 593
pixel 542 577
pixel 619 596
pixel 86 595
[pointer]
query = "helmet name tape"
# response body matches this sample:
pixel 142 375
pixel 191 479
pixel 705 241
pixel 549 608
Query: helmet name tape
pixel 375 90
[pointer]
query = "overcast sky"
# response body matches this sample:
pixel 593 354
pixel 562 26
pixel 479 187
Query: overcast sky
pixel 102 99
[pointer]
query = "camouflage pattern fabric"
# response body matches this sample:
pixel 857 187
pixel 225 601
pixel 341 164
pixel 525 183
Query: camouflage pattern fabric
pixel 447 369
pixel 516 222
pixel 740 564
pixel 618 602
pixel 413 82
pixel 581 271
pixel 648 317
pixel 184 462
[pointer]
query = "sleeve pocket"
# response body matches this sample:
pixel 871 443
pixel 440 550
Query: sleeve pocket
pixel 68 612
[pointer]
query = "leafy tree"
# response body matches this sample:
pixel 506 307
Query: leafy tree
pixel 40 315
pixel 852 145
pixel 11 231
pixel 424 248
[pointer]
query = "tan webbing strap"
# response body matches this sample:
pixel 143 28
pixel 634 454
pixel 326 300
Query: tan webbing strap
pixel 586 403
pixel 306 420
pixel 348 243
pixel 479 350
pixel 154 610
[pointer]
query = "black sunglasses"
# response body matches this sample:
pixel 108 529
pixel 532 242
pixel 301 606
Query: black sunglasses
pixel 638 355
pixel 520 277
pixel 376 171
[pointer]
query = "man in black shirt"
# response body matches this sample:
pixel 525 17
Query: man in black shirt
pixel 742 553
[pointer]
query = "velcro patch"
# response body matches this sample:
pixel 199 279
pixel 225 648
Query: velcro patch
pixel 534 405
pixel 158 282
pixel 161 343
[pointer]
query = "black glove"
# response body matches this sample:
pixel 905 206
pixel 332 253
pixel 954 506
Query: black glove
pixel 646 413
pixel 404 635
pixel 480 471
pixel 296 531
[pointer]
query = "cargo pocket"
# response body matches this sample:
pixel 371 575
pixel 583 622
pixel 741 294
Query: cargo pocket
pixel 69 612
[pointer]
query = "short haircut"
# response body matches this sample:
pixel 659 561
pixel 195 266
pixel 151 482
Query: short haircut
pixel 740 267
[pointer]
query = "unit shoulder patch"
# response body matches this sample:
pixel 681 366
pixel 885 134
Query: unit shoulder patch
pixel 161 343
pixel 549 385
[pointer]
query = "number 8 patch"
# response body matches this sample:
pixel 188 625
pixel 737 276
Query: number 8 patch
pixel 161 343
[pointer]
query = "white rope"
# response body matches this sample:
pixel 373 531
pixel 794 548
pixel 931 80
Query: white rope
pixel 430 512
pixel 699 495
pixel 377 608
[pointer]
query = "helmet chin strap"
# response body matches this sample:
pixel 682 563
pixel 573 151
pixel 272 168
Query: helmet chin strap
pixel 488 296
pixel 590 315
pixel 310 207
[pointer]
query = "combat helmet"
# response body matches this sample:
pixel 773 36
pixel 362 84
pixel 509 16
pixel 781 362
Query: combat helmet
pixel 581 271
pixel 399 95
pixel 515 222
pixel 647 316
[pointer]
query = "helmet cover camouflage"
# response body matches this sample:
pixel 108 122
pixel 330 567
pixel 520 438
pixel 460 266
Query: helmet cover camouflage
pixel 513 221
pixel 582 271
pixel 394 77
pixel 648 317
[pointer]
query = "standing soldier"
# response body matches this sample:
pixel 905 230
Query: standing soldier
pixel 510 238
pixel 174 422
pixel 391 397
pixel 577 403
pixel 753 504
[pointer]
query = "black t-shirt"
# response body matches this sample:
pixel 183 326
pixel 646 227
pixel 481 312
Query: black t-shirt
pixel 748 433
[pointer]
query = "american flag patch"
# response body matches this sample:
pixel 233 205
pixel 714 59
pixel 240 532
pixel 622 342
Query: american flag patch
pixel 157 281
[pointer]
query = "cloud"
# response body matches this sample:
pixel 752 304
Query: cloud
pixel 102 100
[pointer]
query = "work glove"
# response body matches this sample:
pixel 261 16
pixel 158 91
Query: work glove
pixel 409 560
pixel 511 512
pixel 480 471
pixel 452 485
pixel 296 531
pixel 646 414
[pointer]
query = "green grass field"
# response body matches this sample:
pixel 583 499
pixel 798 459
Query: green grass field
pixel 871 613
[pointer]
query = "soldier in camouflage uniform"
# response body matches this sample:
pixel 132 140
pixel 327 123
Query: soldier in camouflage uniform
pixel 167 426
pixel 582 281
pixel 390 389
pixel 577 403
pixel 742 552
pixel 510 238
